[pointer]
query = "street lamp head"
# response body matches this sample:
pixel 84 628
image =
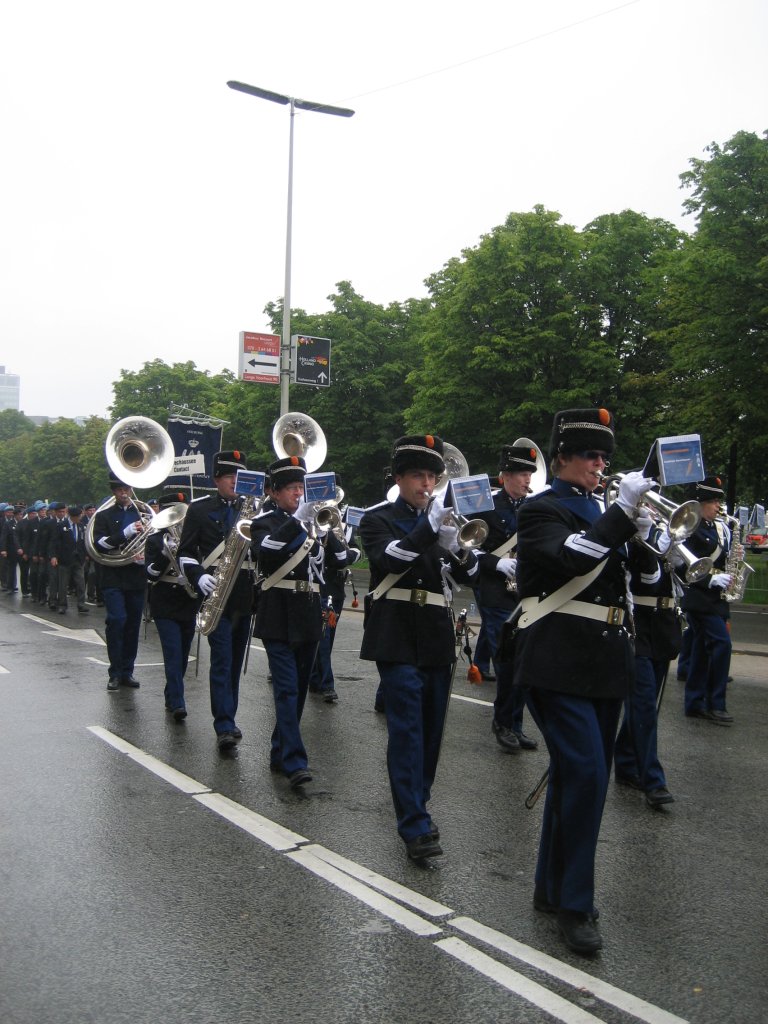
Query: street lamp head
pixel 278 97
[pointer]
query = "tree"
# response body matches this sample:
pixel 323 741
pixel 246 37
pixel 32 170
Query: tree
pixel 14 423
pixel 151 390
pixel 509 340
pixel 717 301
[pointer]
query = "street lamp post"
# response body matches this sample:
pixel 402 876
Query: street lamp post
pixel 320 108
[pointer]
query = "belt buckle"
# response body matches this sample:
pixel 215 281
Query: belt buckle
pixel 664 602
pixel 419 597
pixel 303 586
pixel 615 616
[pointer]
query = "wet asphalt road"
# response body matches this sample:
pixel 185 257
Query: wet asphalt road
pixel 132 897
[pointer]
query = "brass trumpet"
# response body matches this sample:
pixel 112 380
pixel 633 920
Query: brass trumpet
pixel 682 520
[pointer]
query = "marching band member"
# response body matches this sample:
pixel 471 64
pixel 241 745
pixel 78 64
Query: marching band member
pixel 173 610
pixel 332 595
pixel 207 525
pixel 123 586
pixel 288 613
pixel 409 630
pixel 573 650
pixel 496 599
pixel 657 642
pixel 707 613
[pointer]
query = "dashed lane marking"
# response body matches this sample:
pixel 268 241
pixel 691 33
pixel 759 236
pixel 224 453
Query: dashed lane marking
pixel 393 901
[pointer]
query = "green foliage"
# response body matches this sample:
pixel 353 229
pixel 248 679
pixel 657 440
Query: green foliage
pixel 717 306
pixel 151 390
pixel 14 423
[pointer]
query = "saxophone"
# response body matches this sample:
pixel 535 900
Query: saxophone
pixel 232 557
pixel 735 564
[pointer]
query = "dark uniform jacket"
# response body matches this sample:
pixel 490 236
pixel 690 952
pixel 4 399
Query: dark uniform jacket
pixel 559 538
pixel 657 626
pixel 108 525
pixel 711 540
pixel 167 599
pixel 45 532
pixel 63 546
pixel 205 527
pixel 502 525
pixel 27 536
pixel 396 538
pixel 295 615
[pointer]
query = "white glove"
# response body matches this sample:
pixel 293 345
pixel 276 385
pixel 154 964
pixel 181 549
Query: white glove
pixel 663 540
pixel 720 579
pixel 508 566
pixel 305 513
pixel 206 584
pixel 131 530
pixel 436 513
pixel 448 537
pixel 644 526
pixel 631 490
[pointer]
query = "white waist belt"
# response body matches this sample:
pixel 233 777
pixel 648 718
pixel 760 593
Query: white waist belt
pixel 655 602
pixel 298 586
pixel 416 596
pixel 586 610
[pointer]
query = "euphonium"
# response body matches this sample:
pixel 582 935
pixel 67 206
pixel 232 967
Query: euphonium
pixel 140 452
pixel 232 557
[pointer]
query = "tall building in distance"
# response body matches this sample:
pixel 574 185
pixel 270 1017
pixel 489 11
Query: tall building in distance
pixel 10 387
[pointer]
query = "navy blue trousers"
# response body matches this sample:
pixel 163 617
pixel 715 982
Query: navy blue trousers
pixel 579 733
pixel 227 643
pixel 636 745
pixel 415 702
pixel 510 700
pixel 122 628
pixel 290 665
pixel 322 678
pixel 710 663
pixel 176 641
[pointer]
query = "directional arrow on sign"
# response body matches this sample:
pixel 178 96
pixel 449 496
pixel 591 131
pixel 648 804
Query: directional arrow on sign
pixel 322 376
pixel 85 636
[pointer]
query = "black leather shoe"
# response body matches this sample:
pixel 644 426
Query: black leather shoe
pixel 83 611
pixel 505 737
pixel 434 831
pixel 237 733
pixel 526 743
pixel 113 684
pixel 721 717
pixel 633 781
pixel 656 797
pixel 423 847
pixel 699 713
pixel 130 681
pixel 299 778
pixel 488 677
pixel 226 741
pixel 579 931
pixel 179 714
pixel 330 696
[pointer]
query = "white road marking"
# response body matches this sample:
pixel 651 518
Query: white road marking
pixel 183 782
pixel 472 700
pixel 254 824
pixel 531 991
pixel 4 671
pixel 139 664
pixel 85 636
pixel 399 892
pixel 371 898
pixel 570 975
pixel 368 887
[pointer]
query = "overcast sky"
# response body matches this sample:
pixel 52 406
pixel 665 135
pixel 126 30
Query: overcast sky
pixel 143 203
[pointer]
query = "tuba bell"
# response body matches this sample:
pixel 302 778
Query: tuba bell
pixel 140 452
pixel 295 433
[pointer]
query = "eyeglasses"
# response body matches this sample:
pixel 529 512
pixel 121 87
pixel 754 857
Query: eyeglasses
pixel 594 455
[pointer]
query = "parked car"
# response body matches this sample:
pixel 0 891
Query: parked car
pixel 757 539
